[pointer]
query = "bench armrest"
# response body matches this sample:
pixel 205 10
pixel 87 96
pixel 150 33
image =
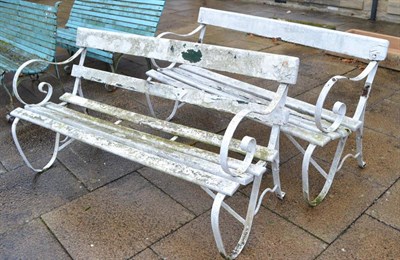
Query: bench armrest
pixel 161 35
pixel 278 115
pixel 339 108
pixel 49 90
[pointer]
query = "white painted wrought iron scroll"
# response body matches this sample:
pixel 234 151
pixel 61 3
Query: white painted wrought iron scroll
pixel 48 92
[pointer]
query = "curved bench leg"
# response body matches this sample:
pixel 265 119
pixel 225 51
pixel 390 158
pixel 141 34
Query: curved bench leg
pixel 247 223
pixel 307 159
pixel 21 152
pixel 177 105
pixel 3 84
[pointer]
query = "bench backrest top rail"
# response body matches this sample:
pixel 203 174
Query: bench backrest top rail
pixel 359 46
pixel 30 27
pixel 280 68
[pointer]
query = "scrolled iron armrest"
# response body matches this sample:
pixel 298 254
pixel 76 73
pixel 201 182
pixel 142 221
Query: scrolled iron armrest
pixel 199 28
pixel 42 85
pixel 339 108
pixel 249 144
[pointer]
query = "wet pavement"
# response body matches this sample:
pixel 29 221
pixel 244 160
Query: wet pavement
pixel 93 205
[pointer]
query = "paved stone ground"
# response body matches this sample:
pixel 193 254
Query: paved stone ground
pixel 92 205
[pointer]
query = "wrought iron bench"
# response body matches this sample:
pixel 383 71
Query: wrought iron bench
pixel 219 174
pixel 27 31
pixel 312 123
pixel 130 16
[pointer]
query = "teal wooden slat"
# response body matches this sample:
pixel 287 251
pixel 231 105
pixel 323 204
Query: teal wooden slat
pixel 131 16
pixel 116 26
pixel 27 31
pixel 14 35
pixel 124 7
pixel 155 5
pixel 107 18
pixel 127 12
pixel 24 12
pixel 35 36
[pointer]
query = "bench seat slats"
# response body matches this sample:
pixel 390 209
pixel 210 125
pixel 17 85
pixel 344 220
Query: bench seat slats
pixel 264 94
pixel 200 98
pixel 183 153
pixel 99 140
pixel 262 153
pixel 310 131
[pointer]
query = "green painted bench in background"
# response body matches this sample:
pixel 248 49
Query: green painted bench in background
pixel 27 31
pixel 131 16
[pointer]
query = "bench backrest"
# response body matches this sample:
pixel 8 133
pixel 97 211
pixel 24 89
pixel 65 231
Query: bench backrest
pixel 280 68
pixel 29 27
pixel 359 46
pixel 132 16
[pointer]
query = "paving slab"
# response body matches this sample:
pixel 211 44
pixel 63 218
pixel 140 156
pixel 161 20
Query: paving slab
pixel 385 117
pixel 271 238
pixel 189 195
pixel 380 152
pixel 348 92
pixel 147 254
pixel 116 221
pixel 32 240
pixel 367 238
pixel 349 196
pixel 25 196
pixel 386 208
pixel 95 167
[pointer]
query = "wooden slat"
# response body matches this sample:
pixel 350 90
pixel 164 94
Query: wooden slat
pixel 330 40
pixel 263 65
pixel 30 29
pixel 192 156
pixel 262 153
pixel 202 99
pixel 102 141
pixel 266 95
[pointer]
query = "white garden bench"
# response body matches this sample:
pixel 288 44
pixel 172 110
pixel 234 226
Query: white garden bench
pixel 312 123
pixel 218 174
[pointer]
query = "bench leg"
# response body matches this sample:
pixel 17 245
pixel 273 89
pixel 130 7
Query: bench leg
pixel 359 146
pixel 21 152
pixel 177 105
pixel 3 84
pixel 274 144
pixel 335 166
pixel 252 210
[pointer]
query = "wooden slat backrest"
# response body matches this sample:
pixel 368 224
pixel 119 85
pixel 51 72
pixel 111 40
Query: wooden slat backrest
pixel 29 26
pixel 133 16
pixel 359 46
pixel 257 64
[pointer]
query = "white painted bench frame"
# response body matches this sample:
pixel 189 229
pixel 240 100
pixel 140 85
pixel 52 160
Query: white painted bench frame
pixel 217 173
pixel 311 123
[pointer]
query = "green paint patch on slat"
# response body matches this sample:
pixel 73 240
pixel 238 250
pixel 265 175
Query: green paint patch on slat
pixel 192 56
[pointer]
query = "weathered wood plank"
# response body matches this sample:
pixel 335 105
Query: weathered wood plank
pixel 263 65
pixel 168 127
pixel 341 42
pixel 98 140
